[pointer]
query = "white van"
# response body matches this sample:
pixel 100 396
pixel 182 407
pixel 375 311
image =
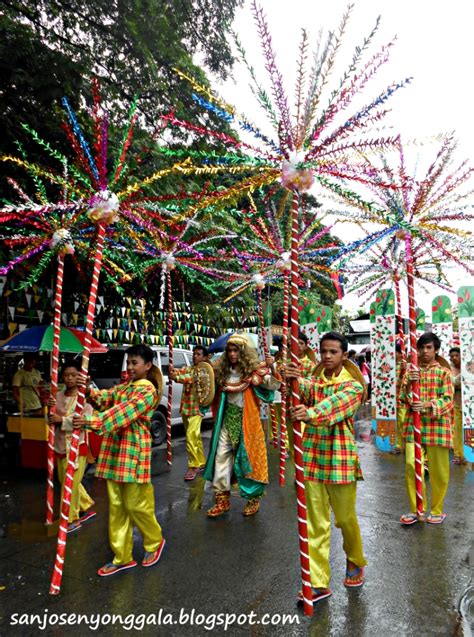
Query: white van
pixel 105 373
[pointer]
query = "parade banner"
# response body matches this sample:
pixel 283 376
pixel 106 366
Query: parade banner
pixel 372 330
pixel 442 319
pixel 315 320
pixel 466 340
pixel 384 399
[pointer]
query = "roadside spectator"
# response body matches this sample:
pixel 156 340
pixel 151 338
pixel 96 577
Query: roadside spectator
pixel 26 386
pixel 364 368
pixel 458 442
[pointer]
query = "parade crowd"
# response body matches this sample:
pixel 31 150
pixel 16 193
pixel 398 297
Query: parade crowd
pixel 331 391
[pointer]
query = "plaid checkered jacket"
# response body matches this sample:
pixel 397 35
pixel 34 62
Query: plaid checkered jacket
pixel 307 366
pixel 329 447
pixel 436 386
pixel 189 399
pixel 122 415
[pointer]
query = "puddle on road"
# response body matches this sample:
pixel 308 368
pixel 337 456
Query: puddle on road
pixel 31 531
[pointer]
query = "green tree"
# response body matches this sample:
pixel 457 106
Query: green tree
pixel 51 48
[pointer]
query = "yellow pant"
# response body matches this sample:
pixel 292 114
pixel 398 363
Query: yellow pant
pixel 320 499
pixel 401 417
pixel 80 499
pixel 194 446
pixel 438 465
pixel 458 434
pixel 131 504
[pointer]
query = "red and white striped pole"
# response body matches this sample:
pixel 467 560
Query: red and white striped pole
pixel 398 310
pixel 295 400
pixel 169 325
pixel 266 352
pixel 415 385
pixel 54 385
pixel 284 352
pixel 55 586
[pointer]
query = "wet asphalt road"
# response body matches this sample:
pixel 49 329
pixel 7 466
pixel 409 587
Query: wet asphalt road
pixel 415 580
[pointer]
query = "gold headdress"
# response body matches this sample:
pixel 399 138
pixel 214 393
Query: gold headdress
pixel 238 339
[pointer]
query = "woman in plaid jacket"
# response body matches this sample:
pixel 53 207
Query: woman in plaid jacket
pixel 122 415
pixel 331 463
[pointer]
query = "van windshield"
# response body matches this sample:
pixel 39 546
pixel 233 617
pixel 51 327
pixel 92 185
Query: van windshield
pixel 179 360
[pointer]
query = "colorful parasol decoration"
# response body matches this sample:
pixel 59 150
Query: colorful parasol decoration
pixel 41 339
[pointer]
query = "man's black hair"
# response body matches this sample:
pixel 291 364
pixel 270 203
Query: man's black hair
pixel 203 349
pixel 335 336
pixel 429 337
pixel 455 349
pixel 302 337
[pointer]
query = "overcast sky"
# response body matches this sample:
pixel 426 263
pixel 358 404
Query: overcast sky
pixel 435 45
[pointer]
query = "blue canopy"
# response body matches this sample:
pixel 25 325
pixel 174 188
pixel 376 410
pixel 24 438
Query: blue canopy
pixel 221 341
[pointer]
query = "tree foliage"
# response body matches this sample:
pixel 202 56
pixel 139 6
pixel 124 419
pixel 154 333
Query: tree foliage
pixel 50 48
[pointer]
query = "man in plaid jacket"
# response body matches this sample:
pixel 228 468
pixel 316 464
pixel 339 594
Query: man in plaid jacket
pixel 436 408
pixel 331 463
pixel 191 413
pixel 122 415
